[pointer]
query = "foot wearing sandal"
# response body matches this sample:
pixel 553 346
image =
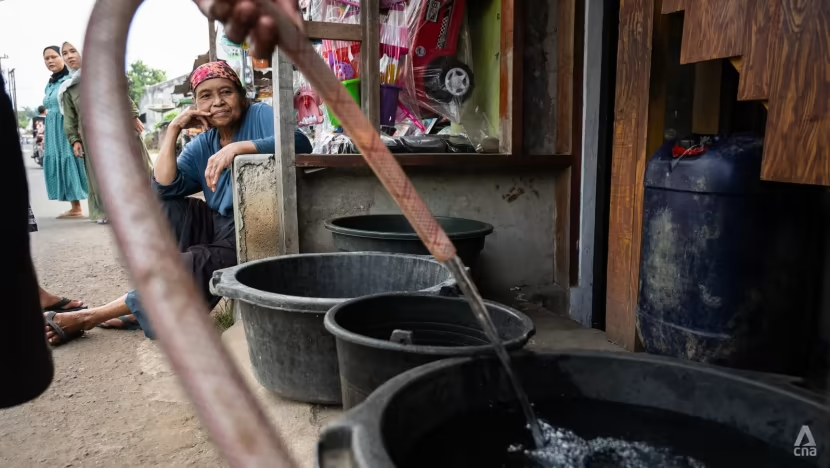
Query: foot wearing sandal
pixel 50 302
pixel 124 322
pixel 71 215
pixel 65 327
pixel 102 221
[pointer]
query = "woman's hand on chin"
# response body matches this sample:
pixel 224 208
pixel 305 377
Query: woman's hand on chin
pixel 191 118
pixel 219 162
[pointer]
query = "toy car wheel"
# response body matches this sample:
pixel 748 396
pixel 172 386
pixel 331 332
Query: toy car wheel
pixel 448 80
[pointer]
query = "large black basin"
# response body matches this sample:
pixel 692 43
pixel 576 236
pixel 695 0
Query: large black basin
pixel 440 327
pixel 462 413
pixel 283 301
pixel 393 233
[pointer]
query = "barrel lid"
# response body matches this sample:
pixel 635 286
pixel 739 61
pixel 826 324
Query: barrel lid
pixel 732 164
pixel 396 227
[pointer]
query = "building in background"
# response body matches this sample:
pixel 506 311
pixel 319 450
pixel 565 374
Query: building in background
pixel 159 99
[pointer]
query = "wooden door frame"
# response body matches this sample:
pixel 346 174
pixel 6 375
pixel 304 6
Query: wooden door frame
pixel 638 127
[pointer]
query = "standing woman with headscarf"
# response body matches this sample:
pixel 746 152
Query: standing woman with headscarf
pixel 69 97
pixel 65 174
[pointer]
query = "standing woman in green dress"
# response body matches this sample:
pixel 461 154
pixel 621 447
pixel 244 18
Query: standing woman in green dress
pixel 70 99
pixel 65 174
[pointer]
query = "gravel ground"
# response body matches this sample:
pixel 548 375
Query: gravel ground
pixel 114 401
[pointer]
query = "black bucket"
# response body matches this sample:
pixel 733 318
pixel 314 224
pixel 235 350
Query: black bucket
pixel 393 233
pixel 283 301
pixel 429 328
pixel 462 412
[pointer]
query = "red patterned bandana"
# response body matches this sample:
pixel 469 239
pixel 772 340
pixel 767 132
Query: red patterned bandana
pixel 213 70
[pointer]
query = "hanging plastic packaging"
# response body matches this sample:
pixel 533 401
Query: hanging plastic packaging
pixel 440 73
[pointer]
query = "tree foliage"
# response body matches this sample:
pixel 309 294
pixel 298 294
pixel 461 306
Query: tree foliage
pixel 168 117
pixel 25 116
pixel 141 75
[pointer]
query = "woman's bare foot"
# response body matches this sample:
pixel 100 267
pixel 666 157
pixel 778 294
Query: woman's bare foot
pixel 72 214
pixel 70 322
pixel 124 322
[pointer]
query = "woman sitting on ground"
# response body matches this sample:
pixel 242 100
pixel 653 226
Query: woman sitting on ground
pixel 204 230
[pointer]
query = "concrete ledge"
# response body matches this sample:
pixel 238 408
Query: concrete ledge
pixel 255 209
pixel 255 206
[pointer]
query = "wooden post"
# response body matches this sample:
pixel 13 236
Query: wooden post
pixel 370 60
pixel 285 121
pixel 511 75
pixel 565 84
pixel 212 40
pixel 634 111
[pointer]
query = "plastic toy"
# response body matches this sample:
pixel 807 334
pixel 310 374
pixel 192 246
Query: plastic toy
pixel 307 104
pixel 438 73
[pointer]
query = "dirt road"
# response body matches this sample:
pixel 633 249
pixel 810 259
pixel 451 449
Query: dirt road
pixel 113 402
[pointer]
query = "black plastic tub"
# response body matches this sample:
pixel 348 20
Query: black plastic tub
pixel 283 301
pixel 393 233
pixel 440 327
pixel 462 412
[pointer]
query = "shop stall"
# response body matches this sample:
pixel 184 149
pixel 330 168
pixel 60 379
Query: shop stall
pixel 481 104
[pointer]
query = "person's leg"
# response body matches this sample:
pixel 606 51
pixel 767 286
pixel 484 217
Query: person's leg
pixel 24 356
pixel 192 223
pixel 72 322
pixel 201 261
pixel 76 207
pixel 75 211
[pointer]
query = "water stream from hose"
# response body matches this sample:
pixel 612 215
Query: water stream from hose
pixel 465 282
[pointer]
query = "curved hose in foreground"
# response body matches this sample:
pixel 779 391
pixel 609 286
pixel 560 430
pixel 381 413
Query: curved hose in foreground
pixel 179 315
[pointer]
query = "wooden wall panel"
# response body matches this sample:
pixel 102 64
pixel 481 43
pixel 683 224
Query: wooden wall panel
pixel 797 147
pixel 565 80
pixel 549 86
pixel 763 21
pixel 628 167
pixel 672 6
pixel 713 29
pixel 511 72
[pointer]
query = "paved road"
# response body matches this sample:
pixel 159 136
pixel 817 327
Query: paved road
pixel 114 401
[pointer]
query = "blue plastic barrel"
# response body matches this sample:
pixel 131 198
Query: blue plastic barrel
pixel 727 261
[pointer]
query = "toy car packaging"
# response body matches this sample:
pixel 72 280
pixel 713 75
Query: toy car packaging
pixel 439 72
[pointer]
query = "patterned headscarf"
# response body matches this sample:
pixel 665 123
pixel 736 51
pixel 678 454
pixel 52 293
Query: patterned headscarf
pixel 212 70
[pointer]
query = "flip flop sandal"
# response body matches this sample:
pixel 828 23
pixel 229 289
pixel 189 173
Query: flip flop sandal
pixel 129 324
pixel 64 337
pixel 59 306
pixel 68 216
pixel 102 221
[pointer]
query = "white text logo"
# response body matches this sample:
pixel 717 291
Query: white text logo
pixel 805 445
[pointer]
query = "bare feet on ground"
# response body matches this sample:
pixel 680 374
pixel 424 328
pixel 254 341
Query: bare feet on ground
pixel 72 214
pixel 70 322
pixel 118 323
